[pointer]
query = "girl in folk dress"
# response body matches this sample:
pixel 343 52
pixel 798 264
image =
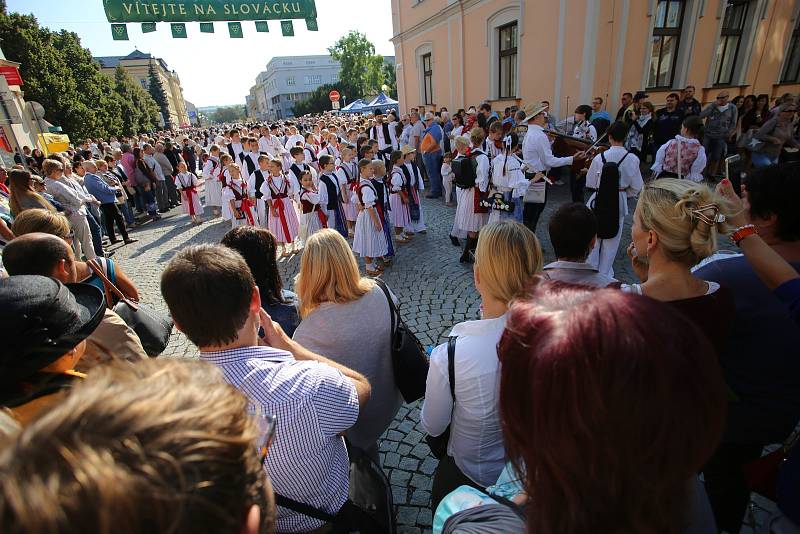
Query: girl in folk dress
pixel 190 198
pixel 211 170
pixel 237 206
pixel 348 181
pixel 369 240
pixel 380 182
pixel 508 179
pixel 313 217
pixel 400 215
pixel 283 221
pixel 470 217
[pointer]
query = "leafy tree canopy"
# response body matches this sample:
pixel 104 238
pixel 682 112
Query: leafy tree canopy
pixel 361 67
pixel 229 114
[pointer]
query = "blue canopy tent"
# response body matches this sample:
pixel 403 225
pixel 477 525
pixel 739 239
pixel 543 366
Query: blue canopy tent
pixel 354 107
pixel 381 102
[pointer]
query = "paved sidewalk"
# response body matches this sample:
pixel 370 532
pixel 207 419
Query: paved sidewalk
pixel 435 292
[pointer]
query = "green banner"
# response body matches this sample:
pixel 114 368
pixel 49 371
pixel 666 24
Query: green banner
pixel 287 28
pixel 206 27
pixel 262 26
pixel 311 25
pixel 119 32
pixel 207 10
pixel 178 30
pixel 235 30
pixel 148 27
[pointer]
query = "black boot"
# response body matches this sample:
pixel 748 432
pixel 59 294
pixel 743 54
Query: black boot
pixel 467 256
pixel 454 240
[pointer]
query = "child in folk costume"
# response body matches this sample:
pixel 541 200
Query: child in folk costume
pixel 249 163
pixel 186 183
pixel 330 146
pixel 310 151
pixel 348 181
pixel 299 166
pixel 235 148
pixel 330 196
pixel 509 180
pixel 684 155
pixel 398 199
pixel 382 186
pixel 470 217
pixel 369 241
pixel 283 222
pixel 237 206
pixel 313 216
pixel 254 183
pixel 211 171
pixel 447 178
pixel 416 184
pixel 493 144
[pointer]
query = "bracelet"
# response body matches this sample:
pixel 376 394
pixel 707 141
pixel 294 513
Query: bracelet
pixel 742 232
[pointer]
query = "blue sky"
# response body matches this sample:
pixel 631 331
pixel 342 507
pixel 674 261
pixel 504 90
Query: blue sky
pixel 215 69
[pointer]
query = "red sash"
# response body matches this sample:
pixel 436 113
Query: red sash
pixel 282 217
pixel 245 205
pixel 279 195
pixel 190 193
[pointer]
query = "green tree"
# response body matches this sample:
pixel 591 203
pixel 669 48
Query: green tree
pixel 390 79
pixel 361 67
pixel 318 100
pixel 229 114
pixel 159 94
pixel 139 110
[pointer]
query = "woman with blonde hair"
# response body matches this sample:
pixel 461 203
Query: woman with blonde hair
pixel 508 256
pixel 675 226
pixel 347 317
pixel 23 196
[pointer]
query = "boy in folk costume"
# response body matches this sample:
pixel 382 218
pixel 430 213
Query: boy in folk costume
pixel 235 148
pixel 211 170
pixel 470 217
pixel 369 241
pixel 186 183
pixel 509 180
pixel 299 166
pixel 385 133
pixel 382 186
pixel 348 180
pixel 331 195
pixel 237 206
pixel 415 185
pixel 312 218
pixel 493 144
pixel 283 222
pixel 398 199
pixel 250 159
pixel 310 151
pixel 330 147
pixel 254 183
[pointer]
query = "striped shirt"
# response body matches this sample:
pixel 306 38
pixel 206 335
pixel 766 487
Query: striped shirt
pixel 314 403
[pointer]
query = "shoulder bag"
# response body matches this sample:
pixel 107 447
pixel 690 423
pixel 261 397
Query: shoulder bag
pixel 409 360
pixel 153 328
pixel 438 444
pixel 369 508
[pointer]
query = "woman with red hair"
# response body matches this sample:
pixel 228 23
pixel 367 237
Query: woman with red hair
pixel 608 416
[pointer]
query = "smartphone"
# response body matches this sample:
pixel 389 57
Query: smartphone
pixel 728 161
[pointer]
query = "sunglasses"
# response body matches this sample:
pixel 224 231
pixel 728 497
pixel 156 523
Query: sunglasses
pixel 722 98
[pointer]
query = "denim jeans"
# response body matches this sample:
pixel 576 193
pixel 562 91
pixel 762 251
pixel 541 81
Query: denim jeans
pixel 433 164
pixel 97 233
pixel 126 212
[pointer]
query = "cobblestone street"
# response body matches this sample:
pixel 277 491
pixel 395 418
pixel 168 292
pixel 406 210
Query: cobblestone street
pixel 435 291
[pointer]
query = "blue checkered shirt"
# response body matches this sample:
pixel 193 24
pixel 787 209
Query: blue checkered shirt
pixel 314 403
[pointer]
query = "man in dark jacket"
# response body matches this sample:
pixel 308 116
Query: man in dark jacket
pixel 668 122
pixel 689 105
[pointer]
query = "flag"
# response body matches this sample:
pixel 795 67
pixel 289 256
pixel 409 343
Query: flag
pixel 262 26
pixel 311 25
pixel 287 28
pixel 206 27
pixel 178 30
pixel 235 30
pixel 148 27
pixel 119 32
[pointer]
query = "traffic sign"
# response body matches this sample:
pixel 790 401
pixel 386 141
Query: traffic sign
pixel 335 104
pixel 334 95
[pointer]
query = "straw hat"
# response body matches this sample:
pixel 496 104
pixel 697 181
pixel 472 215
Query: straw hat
pixel 531 110
pixel 407 149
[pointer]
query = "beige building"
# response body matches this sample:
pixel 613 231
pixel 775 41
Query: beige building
pixel 456 53
pixel 137 65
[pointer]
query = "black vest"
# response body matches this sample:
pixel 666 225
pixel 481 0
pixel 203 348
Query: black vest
pixel 259 182
pixel 297 171
pixel 251 165
pixel 333 192
pixel 380 189
pixel 387 138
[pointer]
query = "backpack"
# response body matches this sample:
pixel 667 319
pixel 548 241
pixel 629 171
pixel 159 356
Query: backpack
pixel 606 201
pixel 466 170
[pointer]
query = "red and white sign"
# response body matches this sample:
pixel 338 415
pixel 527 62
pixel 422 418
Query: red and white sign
pixel 12 75
pixel 334 95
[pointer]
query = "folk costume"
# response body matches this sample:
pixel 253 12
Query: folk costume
pixel 470 217
pixel 368 241
pixel 236 190
pixel 384 209
pixel 330 198
pixel 254 184
pixel 211 172
pixel 237 151
pixel 399 214
pixel 312 218
pixel 285 226
pixel 386 136
pixel 415 184
pixel 681 157
pixel 509 181
pixel 347 173
pixel 186 183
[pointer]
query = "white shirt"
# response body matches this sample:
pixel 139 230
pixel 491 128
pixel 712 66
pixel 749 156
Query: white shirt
pixel 376 132
pixel 630 175
pixel 476 437
pixel 695 171
pixel 270 145
pixel 537 152
pixel 293 140
pixel 513 179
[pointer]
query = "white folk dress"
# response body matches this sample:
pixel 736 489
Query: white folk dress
pixel 399 214
pixel 368 241
pixel 285 226
pixel 508 178
pixel 347 173
pixel 230 192
pixel 313 218
pixel 466 220
pixel 190 197
pixel 211 171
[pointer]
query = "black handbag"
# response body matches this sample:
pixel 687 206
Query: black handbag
pixel 409 361
pixel 369 508
pixel 438 444
pixel 152 327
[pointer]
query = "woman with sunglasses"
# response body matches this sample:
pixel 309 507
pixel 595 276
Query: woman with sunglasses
pixel 775 134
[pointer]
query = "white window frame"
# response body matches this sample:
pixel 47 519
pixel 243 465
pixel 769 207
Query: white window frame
pixel 692 12
pixel 756 13
pixel 290 81
pixel 422 50
pixel 501 18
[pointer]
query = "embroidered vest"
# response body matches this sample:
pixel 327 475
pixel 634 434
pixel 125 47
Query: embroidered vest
pixel 689 153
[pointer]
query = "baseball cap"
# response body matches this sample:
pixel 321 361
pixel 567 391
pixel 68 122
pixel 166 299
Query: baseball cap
pixel 42 319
